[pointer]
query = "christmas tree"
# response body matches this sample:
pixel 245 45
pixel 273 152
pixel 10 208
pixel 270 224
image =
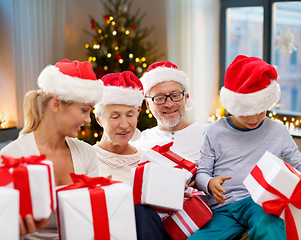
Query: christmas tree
pixel 119 44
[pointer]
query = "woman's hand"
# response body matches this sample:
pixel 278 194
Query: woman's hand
pixel 187 194
pixel 29 225
pixel 215 186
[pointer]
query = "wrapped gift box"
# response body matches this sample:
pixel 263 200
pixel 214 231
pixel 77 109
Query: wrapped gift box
pixel 275 184
pixel 182 224
pixel 34 179
pixel 9 217
pixel 163 155
pixel 78 218
pixel 159 186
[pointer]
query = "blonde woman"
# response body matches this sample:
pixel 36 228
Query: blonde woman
pixel 53 115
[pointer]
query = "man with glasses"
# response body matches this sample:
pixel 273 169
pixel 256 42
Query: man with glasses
pixel 166 89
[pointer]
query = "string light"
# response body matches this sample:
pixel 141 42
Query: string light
pixel 144 65
pixel 87 45
pixel 105 68
pixel 96 46
pixel 99 31
pixel 131 55
pixel 136 59
pixel 127 32
pixel 120 60
pixel 116 48
pixel 109 55
pixel 291 123
pixel 3 122
pixel 114 32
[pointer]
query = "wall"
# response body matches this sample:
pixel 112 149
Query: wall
pixel 8 105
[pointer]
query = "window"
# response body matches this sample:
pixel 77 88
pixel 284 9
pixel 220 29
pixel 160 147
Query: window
pixel 271 30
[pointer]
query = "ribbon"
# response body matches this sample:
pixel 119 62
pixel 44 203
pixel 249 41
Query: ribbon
pixel 182 162
pixel 97 201
pixel 138 181
pixel 21 181
pixel 277 206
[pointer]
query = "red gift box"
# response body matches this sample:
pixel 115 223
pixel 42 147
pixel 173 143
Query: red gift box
pixel 95 208
pixel 34 179
pixel 276 186
pixel 182 224
pixel 160 187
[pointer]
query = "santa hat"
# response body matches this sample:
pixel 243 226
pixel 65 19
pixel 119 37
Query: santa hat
pixel 250 86
pixel 165 71
pixel 159 72
pixel 71 81
pixel 120 88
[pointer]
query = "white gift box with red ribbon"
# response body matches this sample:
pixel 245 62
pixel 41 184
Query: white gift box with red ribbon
pixel 276 186
pixel 102 210
pixel 33 177
pixel 9 217
pixel 163 155
pixel 182 224
pixel 158 186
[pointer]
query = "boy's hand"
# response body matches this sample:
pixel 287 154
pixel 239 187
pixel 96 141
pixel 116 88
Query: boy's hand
pixel 215 186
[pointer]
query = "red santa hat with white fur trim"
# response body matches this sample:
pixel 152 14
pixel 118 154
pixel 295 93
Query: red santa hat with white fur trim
pixel 71 81
pixel 165 71
pixel 250 86
pixel 120 88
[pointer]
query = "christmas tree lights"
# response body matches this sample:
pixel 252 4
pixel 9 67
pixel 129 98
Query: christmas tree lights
pixel 118 43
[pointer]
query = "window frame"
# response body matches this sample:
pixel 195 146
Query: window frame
pixel 267 32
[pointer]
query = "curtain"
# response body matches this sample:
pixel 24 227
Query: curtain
pixel 193 45
pixel 38 40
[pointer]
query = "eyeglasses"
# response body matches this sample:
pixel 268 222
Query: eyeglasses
pixel 161 99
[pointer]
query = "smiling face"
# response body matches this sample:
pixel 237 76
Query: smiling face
pixel 249 122
pixel 72 116
pixel 119 123
pixel 169 115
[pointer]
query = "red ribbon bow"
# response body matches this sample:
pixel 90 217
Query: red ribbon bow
pixel 97 200
pixel 20 178
pixel 15 162
pixel 182 162
pixel 277 206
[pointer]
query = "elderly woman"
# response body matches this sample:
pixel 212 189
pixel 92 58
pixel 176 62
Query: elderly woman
pixel 53 116
pixel 118 114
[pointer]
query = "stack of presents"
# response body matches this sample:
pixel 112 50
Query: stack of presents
pixel 100 208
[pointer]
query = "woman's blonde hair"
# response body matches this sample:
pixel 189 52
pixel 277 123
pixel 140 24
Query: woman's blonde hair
pixel 34 104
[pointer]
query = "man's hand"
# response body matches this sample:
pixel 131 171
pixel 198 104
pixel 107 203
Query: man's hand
pixel 215 186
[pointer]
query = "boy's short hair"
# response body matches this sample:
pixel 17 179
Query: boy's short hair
pixel 250 86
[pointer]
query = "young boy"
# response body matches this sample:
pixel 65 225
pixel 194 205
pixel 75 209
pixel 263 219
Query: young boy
pixel 232 146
